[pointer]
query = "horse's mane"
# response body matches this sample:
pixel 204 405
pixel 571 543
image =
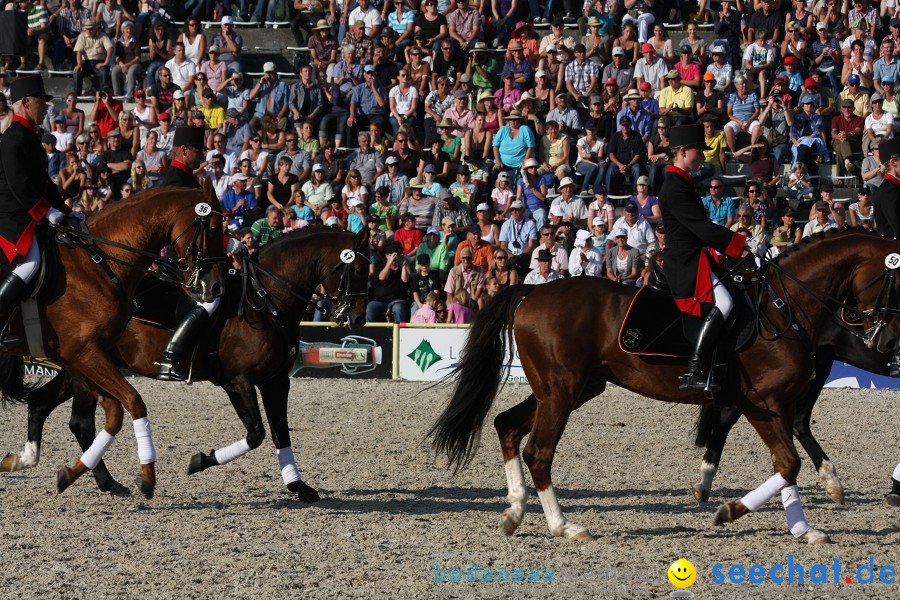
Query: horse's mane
pixel 299 234
pixel 109 217
pixel 813 241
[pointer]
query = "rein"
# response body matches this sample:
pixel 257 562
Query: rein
pixel 193 260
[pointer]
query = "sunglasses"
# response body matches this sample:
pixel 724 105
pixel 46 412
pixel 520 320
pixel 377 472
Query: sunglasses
pixel 714 187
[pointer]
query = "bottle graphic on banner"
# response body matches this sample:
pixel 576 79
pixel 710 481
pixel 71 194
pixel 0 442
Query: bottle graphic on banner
pixel 353 356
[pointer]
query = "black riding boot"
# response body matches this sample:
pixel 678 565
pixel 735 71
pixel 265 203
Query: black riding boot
pixel 696 376
pixel 893 498
pixel 11 291
pixel 182 342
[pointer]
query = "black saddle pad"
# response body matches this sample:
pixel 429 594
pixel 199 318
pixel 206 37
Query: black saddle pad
pixel 47 281
pixel 654 326
pixel 159 302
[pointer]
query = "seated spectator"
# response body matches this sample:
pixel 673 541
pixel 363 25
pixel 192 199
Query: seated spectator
pixel 215 170
pixel 879 124
pixel 500 272
pixel 743 110
pixel 366 160
pixel 822 222
pixel 421 206
pixel 93 55
pixel 585 259
pixel 873 171
pixel 720 69
pixel 435 251
pixel 231 43
pixel 544 273
pixel 531 190
pixel 807 134
pixel 573 207
pixel 688 68
pixel 626 152
pixel 463 188
pixel 759 61
pixel 518 236
pixel 391 287
pixel 846 137
pixel 651 68
pixel 465 275
pixel 56 159
pixel 303 214
pixel 513 144
pixel 745 224
pixel 861 211
pixel 482 251
pixel 677 100
pixel 461 306
pixel 408 237
pixel 623 263
pixel 424 305
pixel 640 233
pixel 267 228
pixel 241 208
pixel 450 206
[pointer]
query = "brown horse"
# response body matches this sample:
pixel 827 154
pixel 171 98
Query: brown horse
pixel 570 351
pixel 250 350
pixel 84 315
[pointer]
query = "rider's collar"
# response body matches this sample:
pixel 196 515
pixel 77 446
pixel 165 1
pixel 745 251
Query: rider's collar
pixel 25 123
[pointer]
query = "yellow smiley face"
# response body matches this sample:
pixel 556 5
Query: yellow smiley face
pixel 682 573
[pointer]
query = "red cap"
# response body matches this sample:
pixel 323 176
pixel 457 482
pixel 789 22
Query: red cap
pixel 645 86
pixel 790 60
pixel 138 93
pixel 781 79
pixel 611 81
pixel 164 115
pixel 647 48
pixel 810 82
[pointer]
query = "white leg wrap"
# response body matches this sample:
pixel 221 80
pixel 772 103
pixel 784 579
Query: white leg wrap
pixel 793 510
pixel 753 500
pixel 707 474
pixel 101 444
pixel 146 450
pixel 31 262
pixel 229 453
pixel 30 456
pixel 896 474
pixel 210 307
pixel 289 471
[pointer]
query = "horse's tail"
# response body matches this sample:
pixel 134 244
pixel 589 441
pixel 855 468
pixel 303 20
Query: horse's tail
pixel 707 420
pixel 12 380
pixel 479 376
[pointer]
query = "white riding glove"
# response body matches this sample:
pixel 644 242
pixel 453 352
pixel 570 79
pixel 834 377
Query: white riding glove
pixel 54 217
pixel 752 244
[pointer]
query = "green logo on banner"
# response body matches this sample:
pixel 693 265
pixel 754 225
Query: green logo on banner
pixel 424 355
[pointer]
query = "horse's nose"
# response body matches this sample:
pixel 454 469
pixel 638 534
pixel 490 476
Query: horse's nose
pixel 217 289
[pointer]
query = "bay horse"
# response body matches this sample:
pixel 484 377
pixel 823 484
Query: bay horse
pixel 569 351
pixel 86 308
pixel 715 421
pixel 253 348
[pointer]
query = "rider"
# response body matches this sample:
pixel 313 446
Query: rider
pixel 689 231
pixel 886 210
pixel 188 147
pixel 27 195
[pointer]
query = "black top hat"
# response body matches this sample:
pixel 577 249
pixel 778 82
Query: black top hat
pixel 687 136
pixel 33 85
pixel 889 149
pixel 189 136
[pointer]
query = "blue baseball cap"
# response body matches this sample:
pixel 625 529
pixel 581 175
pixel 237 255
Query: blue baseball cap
pixel 853 79
pixel 631 206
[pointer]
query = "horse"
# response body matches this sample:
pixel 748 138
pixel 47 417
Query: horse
pixel 569 352
pixel 253 348
pixel 715 421
pixel 85 306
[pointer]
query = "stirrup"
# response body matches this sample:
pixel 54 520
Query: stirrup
pixel 172 370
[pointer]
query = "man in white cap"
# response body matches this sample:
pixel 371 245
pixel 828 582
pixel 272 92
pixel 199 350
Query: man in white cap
pixel 573 206
pixel 271 94
pixel 585 259
pixel 518 236
pixel 231 44
pixel 367 102
pixel 93 55
pixel 619 69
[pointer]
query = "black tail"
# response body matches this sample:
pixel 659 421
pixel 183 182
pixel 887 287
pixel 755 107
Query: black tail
pixel 12 380
pixel 707 420
pixel 479 376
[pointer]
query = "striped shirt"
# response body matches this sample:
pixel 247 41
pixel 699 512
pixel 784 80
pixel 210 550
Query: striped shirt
pixel 38 17
pixel 581 74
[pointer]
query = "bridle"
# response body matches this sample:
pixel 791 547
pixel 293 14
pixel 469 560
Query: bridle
pixel 195 260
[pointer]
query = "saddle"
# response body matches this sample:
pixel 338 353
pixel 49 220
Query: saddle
pixel 654 326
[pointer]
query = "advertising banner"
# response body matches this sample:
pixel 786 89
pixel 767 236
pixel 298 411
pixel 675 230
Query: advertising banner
pixel 428 354
pixel 329 352
pixel 846 376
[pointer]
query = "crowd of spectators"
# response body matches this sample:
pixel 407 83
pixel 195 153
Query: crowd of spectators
pixel 479 150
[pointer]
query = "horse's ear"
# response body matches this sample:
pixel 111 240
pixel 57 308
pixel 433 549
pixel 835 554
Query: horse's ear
pixel 362 238
pixel 209 192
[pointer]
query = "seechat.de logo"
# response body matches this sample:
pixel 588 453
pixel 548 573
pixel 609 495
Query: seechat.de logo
pixel 682 575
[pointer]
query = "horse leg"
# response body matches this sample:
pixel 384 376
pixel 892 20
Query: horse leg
pixel 777 437
pixel 824 467
pixel 275 397
pixel 550 420
pixel 82 425
pixel 512 425
pixel 242 395
pixel 116 393
pixel 721 426
pixel 41 402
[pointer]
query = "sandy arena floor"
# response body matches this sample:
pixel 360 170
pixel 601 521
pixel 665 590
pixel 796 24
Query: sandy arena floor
pixel 391 517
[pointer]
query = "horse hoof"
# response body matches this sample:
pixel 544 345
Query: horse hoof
pixel 63 480
pixel 145 487
pixel 583 536
pixel 816 537
pixel 836 494
pixel 892 500
pixel 699 494
pixel 725 514
pixel 304 492
pixel 8 464
pixel 509 523
pixel 196 464
pixel 118 490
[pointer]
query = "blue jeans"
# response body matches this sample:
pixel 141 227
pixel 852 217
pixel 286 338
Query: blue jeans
pixel 261 7
pixel 335 119
pixel 152 68
pixel 590 173
pixel 781 153
pixel 612 173
pixel 375 310
pixel 539 215
pixel 814 144
pixel 395 125
pixel 89 68
pixel 202 9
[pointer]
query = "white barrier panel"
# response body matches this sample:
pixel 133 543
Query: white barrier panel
pixel 428 354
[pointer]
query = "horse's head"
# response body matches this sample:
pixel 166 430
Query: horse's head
pixel 875 287
pixel 197 238
pixel 345 278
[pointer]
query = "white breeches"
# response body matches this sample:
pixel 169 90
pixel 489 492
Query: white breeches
pixel 210 307
pixel 721 296
pixel 31 263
